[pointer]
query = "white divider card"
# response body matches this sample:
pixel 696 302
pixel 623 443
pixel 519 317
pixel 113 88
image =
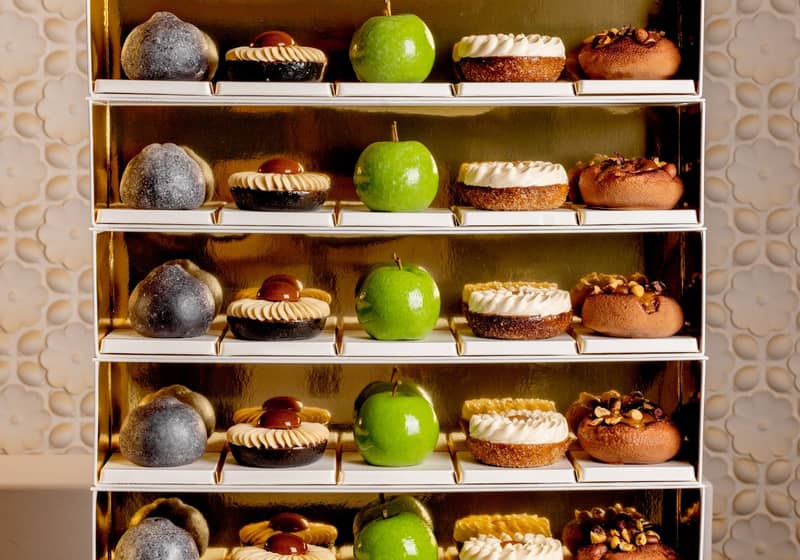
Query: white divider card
pixel 118 470
pixel 471 345
pixel 152 87
pixel 603 217
pixel 590 470
pixel 322 217
pixel 361 216
pixel 275 89
pixel 437 469
pixel 355 342
pixel 320 472
pixel 473 217
pixel 590 342
pixel 635 87
pixel 364 89
pixel 120 214
pixel 470 471
pixel 128 341
pixel 515 89
pixel 323 344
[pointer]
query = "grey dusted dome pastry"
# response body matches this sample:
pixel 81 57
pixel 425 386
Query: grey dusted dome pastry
pixel 156 538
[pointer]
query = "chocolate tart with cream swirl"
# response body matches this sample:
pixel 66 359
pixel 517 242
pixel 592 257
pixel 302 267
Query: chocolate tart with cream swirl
pixel 279 184
pixel 282 309
pixel 279 438
pixel 273 56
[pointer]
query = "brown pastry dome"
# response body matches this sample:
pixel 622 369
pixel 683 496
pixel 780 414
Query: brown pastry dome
pixel 629 54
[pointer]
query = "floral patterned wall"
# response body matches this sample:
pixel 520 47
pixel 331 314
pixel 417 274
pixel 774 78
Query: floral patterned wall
pixel 753 213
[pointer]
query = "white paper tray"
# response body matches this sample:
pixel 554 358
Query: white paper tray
pixel 589 470
pixel 471 345
pixel 128 341
pixel 152 87
pixel 322 217
pixel 345 552
pixel 603 217
pixel 119 214
pixel 435 470
pixel 275 89
pixel 515 89
pixel 119 470
pixel 324 344
pixel 635 87
pixel 321 472
pixel 355 342
pixel 361 216
pixel 468 216
pixel 364 89
pixel 591 343
pixel 470 471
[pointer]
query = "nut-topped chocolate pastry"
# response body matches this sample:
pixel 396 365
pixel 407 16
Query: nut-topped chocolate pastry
pixel 631 429
pixel 631 183
pixel 273 56
pixel 279 184
pixel 614 533
pixel 282 309
pixel 279 437
pixel 626 306
pixel 312 532
pixel 629 53
pixel 279 546
pixel 516 310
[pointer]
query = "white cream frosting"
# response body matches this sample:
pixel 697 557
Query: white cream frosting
pixel 280 53
pixel 259 553
pixel 519 427
pixel 525 301
pixel 504 174
pixel 508 44
pixel 304 309
pixel 512 547
pixel 305 182
pixel 247 435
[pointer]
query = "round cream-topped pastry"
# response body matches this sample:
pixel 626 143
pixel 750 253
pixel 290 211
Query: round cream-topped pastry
pixel 516 310
pixel 512 547
pixel 279 184
pixel 513 185
pixel 281 310
pixel 273 56
pixel 519 438
pixel 282 546
pixel 279 438
pixel 507 57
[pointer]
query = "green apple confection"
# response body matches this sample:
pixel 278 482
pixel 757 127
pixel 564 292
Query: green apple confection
pixel 396 531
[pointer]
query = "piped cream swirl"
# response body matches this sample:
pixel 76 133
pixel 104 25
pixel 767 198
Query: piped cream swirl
pixel 527 301
pixel 508 44
pixel 504 174
pixel 519 427
pixel 260 553
pixel 512 547
pixel 306 182
pixel 247 435
pixel 304 309
pixel 280 53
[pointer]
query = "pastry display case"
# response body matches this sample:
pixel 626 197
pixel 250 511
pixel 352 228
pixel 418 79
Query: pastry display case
pixel 236 126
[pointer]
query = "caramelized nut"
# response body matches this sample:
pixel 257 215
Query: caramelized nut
pixel 641 539
pixel 637 290
pixel 597 535
pixel 635 414
pixel 626 547
pixel 614 542
pixel 671 169
pixel 601 412
pixel 641 35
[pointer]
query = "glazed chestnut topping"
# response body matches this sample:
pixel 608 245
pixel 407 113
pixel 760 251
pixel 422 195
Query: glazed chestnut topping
pixel 279 420
pixel 632 409
pixel 641 35
pixel 272 39
pixel 282 403
pixel 288 522
pixel 618 528
pixel 282 166
pixel 286 544
pixel 281 287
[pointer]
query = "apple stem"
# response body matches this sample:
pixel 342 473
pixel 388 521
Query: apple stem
pixel 397 261
pixel 382 498
pixel 387 10
pixel 395 375
pixel 395 135
pixel 395 387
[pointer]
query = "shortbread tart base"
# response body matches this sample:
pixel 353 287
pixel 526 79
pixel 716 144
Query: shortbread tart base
pixel 517 455
pixel 518 327
pixel 546 197
pixel 510 68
